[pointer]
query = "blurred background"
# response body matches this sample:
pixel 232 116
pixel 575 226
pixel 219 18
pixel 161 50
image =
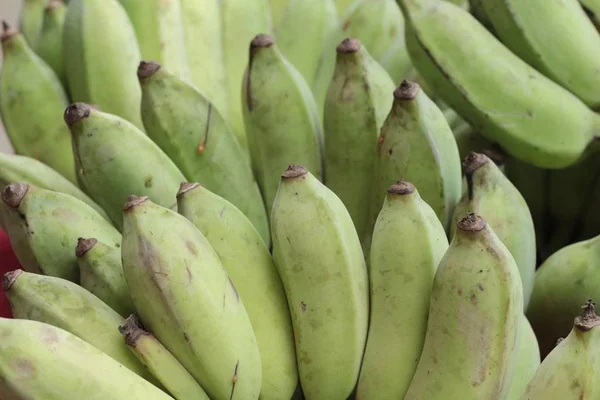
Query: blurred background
pixel 9 12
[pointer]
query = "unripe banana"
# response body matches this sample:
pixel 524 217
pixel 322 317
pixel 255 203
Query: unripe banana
pixel 101 55
pixel 172 111
pixel 281 117
pixel 468 140
pixel 525 26
pixel 31 100
pixel 101 273
pixel 470 349
pixel 32 19
pixel 15 168
pixel 343 5
pixel 115 159
pixel 408 243
pixel 43 226
pixel 39 361
pixel 495 91
pixel 490 193
pixel 321 264
pixel 68 306
pixel 159 29
pixel 476 8
pixel 592 9
pixel 185 297
pixel 572 370
pixel 358 101
pixel 562 283
pixel 49 45
pixel 416 144
pixel 277 10
pixel 528 360
pixel 160 362
pixel 234 238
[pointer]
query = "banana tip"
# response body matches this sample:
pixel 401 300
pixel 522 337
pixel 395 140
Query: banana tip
pixel 401 187
pixel 588 318
pixel 9 279
pixel 134 201
pixel 471 223
pixel 13 194
pixel 262 40
pixel 84 245
pixel 147 68
pixel 186 187
pixel 76 112
pixel 348 46
pixel 7 31
pixel 473 162
pixel 132 329
pixel 294 171
pixel 407 90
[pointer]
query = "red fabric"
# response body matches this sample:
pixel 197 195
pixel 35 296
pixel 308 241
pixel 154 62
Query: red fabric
pixel 8 262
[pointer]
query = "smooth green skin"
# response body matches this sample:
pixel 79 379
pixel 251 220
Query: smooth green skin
pixel 494 90
pixel 343 5
pixel 277 10
pixel 565 281
pixel 180 119
pixel 16 168
pixel 281 118
pixel 570 59
pixel 528 360
pixel 166 368
pixel 473 325
pixel 408 244
pixel 159 29
pixel 234 238
pixel 68 306
pixel 101 273
pixel 32 19
pixel 49 45
pixel 379 25
pixel 416 144
pixel 32 101
pixel 185 297
pixel 489 193
pixel 115 159
pixel 45 227
pixel 101 58
pixel 358 101
pixel 321 264
pixel 39 361
pixel 242 20
pixel 571 371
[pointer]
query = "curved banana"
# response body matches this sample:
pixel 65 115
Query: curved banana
pixel 358 101
pixel 321 264
pixel 470 349
pixel 43 227
pixel 101 55
pixel 49 45
pixel 408 243
pixel 571 60
pixel 39 361
pixel 31 102
pixel 495 91
pixel 185 297
pixel 115 159
pixel 282 121
pixel 234 238
pixel 172 111
pixel 528 360
pixel 32 19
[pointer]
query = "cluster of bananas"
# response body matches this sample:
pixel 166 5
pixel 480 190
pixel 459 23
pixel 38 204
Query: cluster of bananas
pixel 275 206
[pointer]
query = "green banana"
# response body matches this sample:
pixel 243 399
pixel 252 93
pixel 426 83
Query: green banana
pixel 592 9
pixel 32 19
pixel 528 360
pixel 358 101
pixel 379 25
pixel 31 102
pixel 525 26
pixel 399 275
pixel 277 10
pixel 562 283
pixel 103 145
pixel 476 8
pixel 101 55
pixel 39 361
pixel 454 120
pixel 101 273
pixel 185 297
pixel 172 110
pixel 160 362
pixel 416 144
pixel 490 193
pixel 49 44
pixel 474 317
pixel 159 29
pixel 15 168
pixel 495 91
pixel 572 369
pixel 343 5
pixel 234 238
pixel 281 117
pixel 43 226
pixel 468 140
pixel 321 264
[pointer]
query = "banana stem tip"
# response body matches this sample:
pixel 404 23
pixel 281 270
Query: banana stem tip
pixel 588 318
pixel 471 223
pixel 348 46
pixel 294 171
pixel 186 187
pixel 402 187
pixel 132 329
pixel 13 194
pixel 84 245
pixel 9 279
